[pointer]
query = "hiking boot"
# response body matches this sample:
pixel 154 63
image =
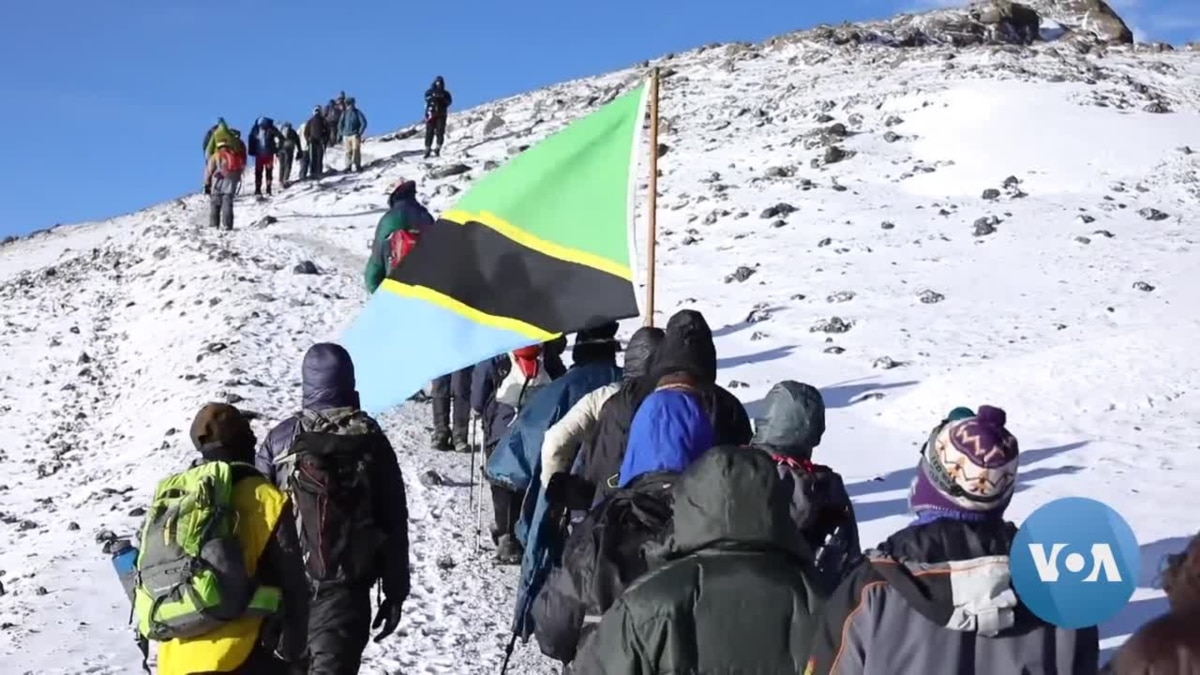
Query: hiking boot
pixel 462 446
pixel 440 440
pixel 508 550
pixel 438 152
pixel 427 153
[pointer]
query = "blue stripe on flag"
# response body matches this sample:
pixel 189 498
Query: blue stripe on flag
pixel 399 344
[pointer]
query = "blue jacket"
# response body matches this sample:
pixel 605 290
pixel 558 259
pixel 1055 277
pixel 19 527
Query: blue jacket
pixel 517 465
pixel 496 416
pixel 265 139
pixel 668 433
pixel 353 123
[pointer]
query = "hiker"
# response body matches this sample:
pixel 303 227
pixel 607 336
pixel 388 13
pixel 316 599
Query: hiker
pixel 437 107
pixel 353 126
pixel 732 594
pixel 792 426
pixel 289 148
pixel 500 387
pixel 257 566
pixel 302 147
pixel 217 133
pixel 341 473
pixel 516 463
pixel 607 550
pixel 687 355
pixel 316 132
pixel 939 591
pixel 552 351
pixel 561 445
pixel 1167 645
pixel 396 233
pixel 333 119
pixel 451 397
pixel 222 176
pixel 265 141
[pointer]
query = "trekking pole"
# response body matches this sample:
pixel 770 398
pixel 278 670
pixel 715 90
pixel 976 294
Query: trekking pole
pixel 471 477
pixel 479 501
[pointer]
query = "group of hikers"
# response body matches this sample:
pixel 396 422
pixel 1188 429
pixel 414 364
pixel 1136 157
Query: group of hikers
pixel 663 532
pixel 339 122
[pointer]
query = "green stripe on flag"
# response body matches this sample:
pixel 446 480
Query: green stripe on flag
pixel 573 188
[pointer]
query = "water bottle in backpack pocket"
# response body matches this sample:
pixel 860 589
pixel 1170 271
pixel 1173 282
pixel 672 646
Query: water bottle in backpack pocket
pixel 124 561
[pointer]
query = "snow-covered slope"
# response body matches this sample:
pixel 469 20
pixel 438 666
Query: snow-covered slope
pixel 824 206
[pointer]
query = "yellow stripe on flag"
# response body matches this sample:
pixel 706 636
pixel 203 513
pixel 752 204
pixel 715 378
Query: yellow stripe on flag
pixel 571 255
pixel 450 304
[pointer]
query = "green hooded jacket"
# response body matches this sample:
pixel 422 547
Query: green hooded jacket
pixel 404 213
pixel 221 133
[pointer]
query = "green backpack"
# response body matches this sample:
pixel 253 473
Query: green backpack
pixel 191 577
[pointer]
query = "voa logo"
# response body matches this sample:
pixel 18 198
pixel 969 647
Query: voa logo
pixel 1075 562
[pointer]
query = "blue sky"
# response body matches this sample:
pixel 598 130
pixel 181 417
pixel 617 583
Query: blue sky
pixel 104 109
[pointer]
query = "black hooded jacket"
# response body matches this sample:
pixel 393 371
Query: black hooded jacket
pixel 603 555
pixel 687 349
pixel 327 377
pixel 733 595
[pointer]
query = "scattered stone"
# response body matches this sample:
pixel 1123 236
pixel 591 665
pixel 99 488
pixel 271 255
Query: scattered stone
pixel 72 527
pixel 432 478
pixel 448 171
pixel 1085 218
pixel 885 225
pixel 306 267
pixel 663 149
pixel 1157 107
pixel 780 209
pixel 487 166
pixel 715 215
pixel 41 590
pixel 985 226
pixel 1011 182
pixel 216 347
pixel 84 358
pixel 1083 240
pixel 740 274
pixel 1104 233
pixel 838 129
pixel 930 297
pixel 1152 214
pixel 265 221
pixel 833 324
pixel 737 384
pixel 233 398
pixel 824 242
pixel 757 335
pixel 137 512
pixel 759 314
pixel 834 154
pixel 446 562
pixel 841 296
pixel 834 349
pixel 161 252
pixel 689 240
pixel 779 223
pixel 892 121
pixel 824 118
pixel 781 172
pixel 891 136
pixel 991 193
pixel 493 123
pixel 885 363
pixel 1143 287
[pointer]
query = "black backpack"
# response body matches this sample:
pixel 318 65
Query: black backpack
pixel 824 514
pixel 331 483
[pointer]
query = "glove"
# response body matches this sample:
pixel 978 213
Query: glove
pixel 570 491
pixel 387 616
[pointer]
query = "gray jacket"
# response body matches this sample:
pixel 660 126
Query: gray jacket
pixel 938 598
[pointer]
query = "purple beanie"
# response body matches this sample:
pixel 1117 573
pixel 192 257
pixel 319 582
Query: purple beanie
pixel 968 467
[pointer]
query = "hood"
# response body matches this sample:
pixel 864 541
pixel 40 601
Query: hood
pixel 220 432
pixel 733 498
pixel 687 346
pixel 1181 578
pixel 596 345
pixel 956 574
pixel 405 191
pixel 640 350
pixel 794 420
pixel 668 433
pixel 328 378
pixel 438 82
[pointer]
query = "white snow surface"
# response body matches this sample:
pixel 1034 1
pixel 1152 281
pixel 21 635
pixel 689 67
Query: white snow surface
pixel 1101 380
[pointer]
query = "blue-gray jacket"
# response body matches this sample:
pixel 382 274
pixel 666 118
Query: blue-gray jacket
pixel 353 123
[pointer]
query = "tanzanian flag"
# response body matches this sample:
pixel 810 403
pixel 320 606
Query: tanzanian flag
pixel 540 247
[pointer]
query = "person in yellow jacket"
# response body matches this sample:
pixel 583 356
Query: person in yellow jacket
pixel 251 645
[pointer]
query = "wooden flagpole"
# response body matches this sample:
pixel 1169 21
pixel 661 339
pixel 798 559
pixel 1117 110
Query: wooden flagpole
pixel 652 224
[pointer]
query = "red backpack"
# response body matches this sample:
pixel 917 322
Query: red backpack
pixel 400 243
pixel 231 161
